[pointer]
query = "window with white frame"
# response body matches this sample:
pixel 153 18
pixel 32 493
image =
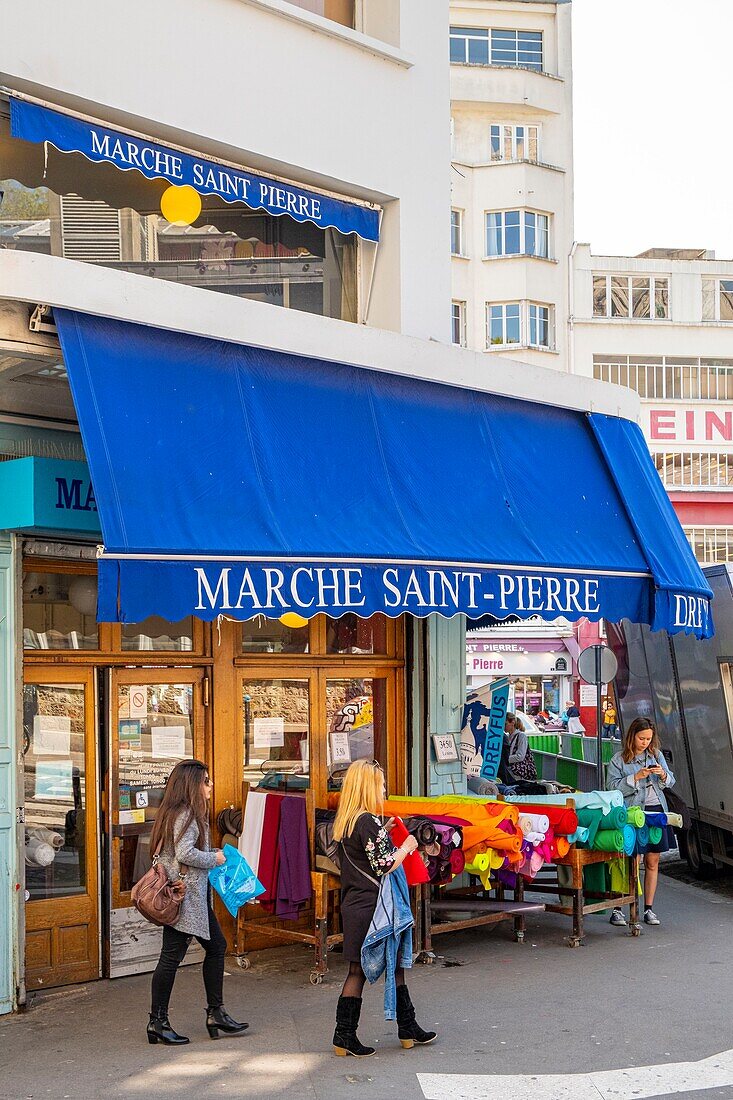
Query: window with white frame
pixel 640 298
pixel 458 323
pixel 478 46
pixel 503 324
pixel 668 377
pixel 717 299
pixel 711 544
pixel 529 324
pixel 690 469
pixel 517 233
pixel 456 232
pixel 514 142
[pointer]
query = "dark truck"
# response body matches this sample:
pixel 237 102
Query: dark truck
pixel 686 687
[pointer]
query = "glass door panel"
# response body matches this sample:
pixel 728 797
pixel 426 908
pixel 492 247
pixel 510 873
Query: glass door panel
pixel 156 719
pixel 61 842
pixel 276 733
pixel 356 717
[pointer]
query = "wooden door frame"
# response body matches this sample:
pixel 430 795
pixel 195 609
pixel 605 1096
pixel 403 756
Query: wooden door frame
pixel 201 741
pixel 43 911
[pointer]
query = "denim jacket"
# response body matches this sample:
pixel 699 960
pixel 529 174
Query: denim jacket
pixel 620 777
pixel 388 942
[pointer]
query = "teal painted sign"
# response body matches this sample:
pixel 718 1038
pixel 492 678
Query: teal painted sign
pixel 47 495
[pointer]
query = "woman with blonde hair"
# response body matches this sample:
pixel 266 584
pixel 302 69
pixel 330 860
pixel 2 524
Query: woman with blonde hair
pixel 367 853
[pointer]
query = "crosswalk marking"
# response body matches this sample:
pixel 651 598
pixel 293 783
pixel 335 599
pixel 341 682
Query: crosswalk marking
pixel 635 1083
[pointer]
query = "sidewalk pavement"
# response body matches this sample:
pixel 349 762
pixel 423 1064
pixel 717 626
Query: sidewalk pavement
pixel 499 1008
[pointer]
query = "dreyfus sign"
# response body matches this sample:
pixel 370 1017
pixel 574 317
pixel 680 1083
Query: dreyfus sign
pixel 47 495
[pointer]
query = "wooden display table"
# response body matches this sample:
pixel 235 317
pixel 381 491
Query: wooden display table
pixel 478 905
pixel 577 859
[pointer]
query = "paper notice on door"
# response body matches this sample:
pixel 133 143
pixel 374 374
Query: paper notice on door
pixel 588 695
pixel 340 748
pixel 51 735
pixel 54 779
pixel 269 733
pixel 132 817
pixel 168 742
pixel 138 702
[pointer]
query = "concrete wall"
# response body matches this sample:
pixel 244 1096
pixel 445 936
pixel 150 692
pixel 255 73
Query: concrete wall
pixel 480 96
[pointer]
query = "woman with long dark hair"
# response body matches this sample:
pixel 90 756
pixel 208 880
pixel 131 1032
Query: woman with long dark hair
pixel 180 838
pixel 367 853
pixel 641 773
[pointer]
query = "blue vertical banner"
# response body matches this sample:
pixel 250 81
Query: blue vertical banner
pixel 494 734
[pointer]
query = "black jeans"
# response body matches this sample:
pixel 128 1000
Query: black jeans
pixel 173 952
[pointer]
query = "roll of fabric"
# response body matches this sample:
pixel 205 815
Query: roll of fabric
pixel 535 838
pixel 675 820
pixel 584 800
pixel 654 821
pixel 616 818
pixel 457 861
pixel 589 819
pixel 580 836
pixel 642 838
pixel 559 847
pixel 635 816
pixel 415 870
pixel 609 840
pixel 562 819
pixel 655 833
pixel 534 823
pixel 629 833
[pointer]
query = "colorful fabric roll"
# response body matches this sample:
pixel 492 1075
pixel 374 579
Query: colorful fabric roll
pixel 635 816
pixel 580 836
pixel 534 823
pixel 642 838
pixel 655 820
pixel 609 840
pixel 674 820
pixel 655 833
pixel 562 819
pixel 584 800
pixel 616 818
pixel 629 834
pixel 559 847
pixel 590 819
pixel 457 861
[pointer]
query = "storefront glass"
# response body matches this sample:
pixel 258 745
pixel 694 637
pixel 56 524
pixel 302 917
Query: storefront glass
pixel 59 611
pixel 350 634
pixel 55 790
pixel 66 206
pixel 154 732
pixel 356 712
pixel 263 635
pixel 276 720
pixel 158 634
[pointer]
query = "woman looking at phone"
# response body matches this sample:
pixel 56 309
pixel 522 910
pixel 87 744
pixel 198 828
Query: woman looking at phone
pixel 641 773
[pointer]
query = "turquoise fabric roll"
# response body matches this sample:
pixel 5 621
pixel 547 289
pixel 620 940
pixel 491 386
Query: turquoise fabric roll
pixel 615 819
pixel 629 839
pixel 642 838
pixel 580 836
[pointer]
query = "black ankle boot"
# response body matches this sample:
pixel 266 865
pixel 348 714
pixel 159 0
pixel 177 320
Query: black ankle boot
pixel 345 1040
pixel 160 1030
pixel 218 1019
pixel 408 1030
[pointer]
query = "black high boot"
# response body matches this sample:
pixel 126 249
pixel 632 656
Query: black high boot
pixel 345 1039
pixel 218 1019
pixel 408 1030
pixel 160 1030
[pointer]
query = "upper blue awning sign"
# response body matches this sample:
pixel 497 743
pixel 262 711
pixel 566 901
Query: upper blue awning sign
pixel 103 145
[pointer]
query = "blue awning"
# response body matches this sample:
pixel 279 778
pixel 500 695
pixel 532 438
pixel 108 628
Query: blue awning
pixel 103 145
pixel 239 481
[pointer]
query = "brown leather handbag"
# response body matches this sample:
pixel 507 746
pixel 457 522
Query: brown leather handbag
pixel 156 897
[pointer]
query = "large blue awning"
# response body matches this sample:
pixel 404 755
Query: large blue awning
pixel 236 481
pixel 68 134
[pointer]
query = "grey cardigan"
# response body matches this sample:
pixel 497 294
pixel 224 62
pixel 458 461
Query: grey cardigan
pixel 620 777
pixel 194 916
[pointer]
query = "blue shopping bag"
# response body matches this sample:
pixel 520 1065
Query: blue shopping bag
pixel 234 881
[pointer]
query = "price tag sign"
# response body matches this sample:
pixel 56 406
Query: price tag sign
pixel 445 748
pixel 340 748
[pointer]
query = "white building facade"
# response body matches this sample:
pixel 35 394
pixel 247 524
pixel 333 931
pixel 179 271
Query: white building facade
pixel 512 176
pixel 662 324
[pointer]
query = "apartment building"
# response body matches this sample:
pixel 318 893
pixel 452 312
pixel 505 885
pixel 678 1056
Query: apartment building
pixel 661 323
pixel 511 177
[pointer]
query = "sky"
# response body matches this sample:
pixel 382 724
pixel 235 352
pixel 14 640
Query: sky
pixel 653 119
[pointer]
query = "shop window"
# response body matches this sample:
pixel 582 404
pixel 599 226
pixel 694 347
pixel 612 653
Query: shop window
pixel 276 721
pixel 356 712
pixel 59 611
pixel 261 635
pixel 54 772
pixel 67 206
pixel 158 634
pixel 350 634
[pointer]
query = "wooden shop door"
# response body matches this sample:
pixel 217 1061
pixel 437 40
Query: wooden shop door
pixel 61 827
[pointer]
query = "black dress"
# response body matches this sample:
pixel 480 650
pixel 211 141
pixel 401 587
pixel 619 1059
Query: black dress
pixel 366 855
